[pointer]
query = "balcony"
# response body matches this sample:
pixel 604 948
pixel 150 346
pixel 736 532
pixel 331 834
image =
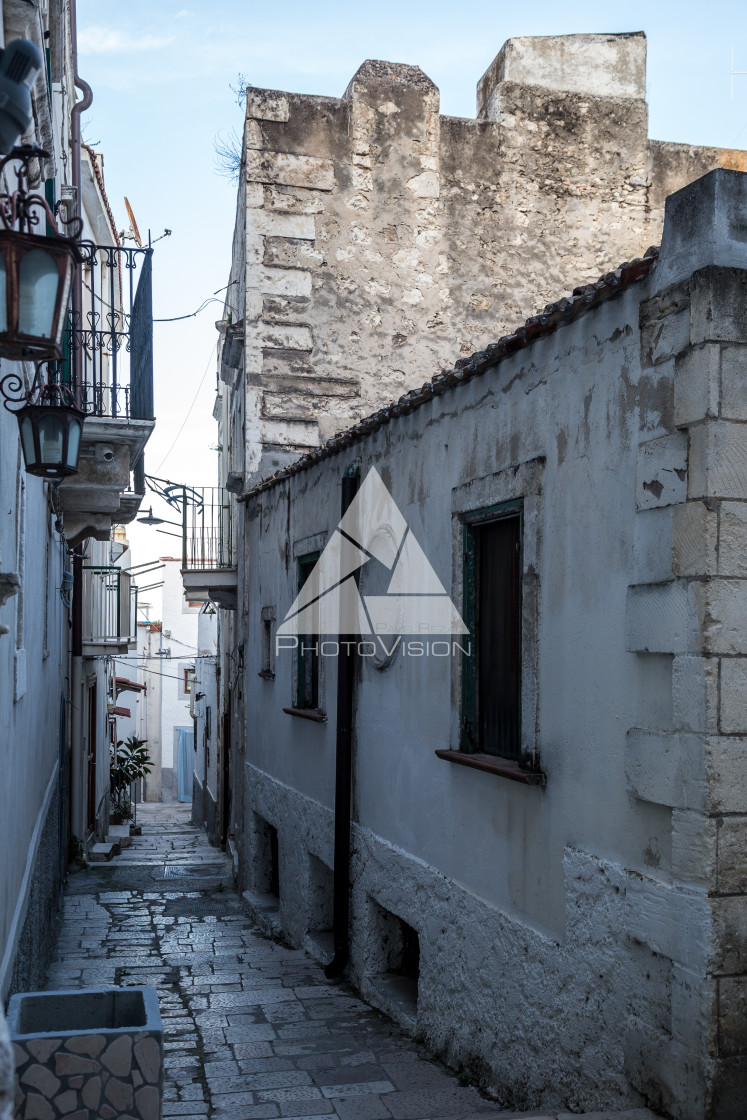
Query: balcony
pixel 109 364
pixel 109 611
pixel 209 571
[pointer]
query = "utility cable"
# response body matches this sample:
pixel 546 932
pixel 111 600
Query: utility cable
pixel 178 318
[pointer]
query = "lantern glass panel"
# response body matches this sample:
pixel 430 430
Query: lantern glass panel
pixel 51 437
pixel 38 277
pixel 3 295
pixel 73 442
pixel 27 441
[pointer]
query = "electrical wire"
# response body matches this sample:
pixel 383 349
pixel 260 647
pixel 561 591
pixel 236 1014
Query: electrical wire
pixel 178 318
pixel 155 673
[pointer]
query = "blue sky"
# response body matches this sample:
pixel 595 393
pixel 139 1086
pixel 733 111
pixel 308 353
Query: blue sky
pixel 160 73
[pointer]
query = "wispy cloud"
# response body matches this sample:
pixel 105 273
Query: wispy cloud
pixel 107 40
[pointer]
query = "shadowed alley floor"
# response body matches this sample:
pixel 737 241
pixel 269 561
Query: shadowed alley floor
pixel 252 1029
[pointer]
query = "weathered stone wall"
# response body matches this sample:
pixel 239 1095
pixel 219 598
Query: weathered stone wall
pixel 696 325
pixel 581 945
pixel 380 239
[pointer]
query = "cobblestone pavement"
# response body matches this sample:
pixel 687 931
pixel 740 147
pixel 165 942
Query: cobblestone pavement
pixel 252 1029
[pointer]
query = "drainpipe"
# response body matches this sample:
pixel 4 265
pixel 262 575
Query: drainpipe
pixel 77 776
pixel 78 108
pixel 343 770
pixel 77 809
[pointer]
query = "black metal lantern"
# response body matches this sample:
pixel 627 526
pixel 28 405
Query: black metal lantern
pixel 35 271
pixel 36 275
pixel 50 425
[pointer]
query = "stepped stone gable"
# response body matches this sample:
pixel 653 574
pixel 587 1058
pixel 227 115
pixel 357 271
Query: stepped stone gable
pixel 377 238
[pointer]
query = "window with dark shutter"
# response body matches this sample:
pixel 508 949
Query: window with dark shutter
pixel 491 683
pixel 307 682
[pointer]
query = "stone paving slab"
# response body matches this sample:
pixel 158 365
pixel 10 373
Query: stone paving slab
pixel 253 1030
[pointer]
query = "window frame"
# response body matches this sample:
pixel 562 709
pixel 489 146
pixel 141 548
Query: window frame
pixel 473 521
pixel 267 652
pixel 304 651
pixel 474 500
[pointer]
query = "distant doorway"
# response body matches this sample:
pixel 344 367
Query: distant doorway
pixel 185 763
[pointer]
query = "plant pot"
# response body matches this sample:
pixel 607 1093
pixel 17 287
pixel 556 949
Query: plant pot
pixel 91 1053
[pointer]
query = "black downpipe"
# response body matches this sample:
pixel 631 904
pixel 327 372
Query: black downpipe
pixel 343 772
pixel 77 612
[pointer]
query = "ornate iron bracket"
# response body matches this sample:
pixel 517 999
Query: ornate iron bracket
pixel 21 209
pixel 43 391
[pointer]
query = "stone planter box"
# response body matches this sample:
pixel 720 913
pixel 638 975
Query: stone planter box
pixel 88 1055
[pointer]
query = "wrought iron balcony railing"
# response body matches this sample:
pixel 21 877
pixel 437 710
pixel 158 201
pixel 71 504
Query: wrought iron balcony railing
pixel 208 538
pixel 109 607
pixel 108 343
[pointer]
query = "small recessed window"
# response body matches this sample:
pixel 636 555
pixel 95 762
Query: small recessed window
pixel 307 680
pixel 491 680
pixel 267 669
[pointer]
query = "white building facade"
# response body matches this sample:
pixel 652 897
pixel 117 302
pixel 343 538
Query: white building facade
pixel 66 598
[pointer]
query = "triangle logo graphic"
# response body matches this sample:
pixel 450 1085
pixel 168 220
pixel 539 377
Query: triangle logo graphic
pixel 373 528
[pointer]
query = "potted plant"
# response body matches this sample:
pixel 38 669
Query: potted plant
pixel 129 761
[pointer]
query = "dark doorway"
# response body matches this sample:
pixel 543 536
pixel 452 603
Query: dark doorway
pixel 91 743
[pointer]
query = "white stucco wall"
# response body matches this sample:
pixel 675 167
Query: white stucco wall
pixel 207 727
pixel 35 695
pixel 33 689
pixel 180 636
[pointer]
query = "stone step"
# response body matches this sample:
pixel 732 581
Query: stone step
pixel 101 853
pixel 119 835
pixel 264 910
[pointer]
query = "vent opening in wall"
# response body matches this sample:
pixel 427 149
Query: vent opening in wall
pixel 273 871
pixel 396 965
pixel 263 897
pixel 321 905
pixel 267 862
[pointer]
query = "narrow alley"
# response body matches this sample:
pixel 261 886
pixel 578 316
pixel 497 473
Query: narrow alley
pixel 252 1029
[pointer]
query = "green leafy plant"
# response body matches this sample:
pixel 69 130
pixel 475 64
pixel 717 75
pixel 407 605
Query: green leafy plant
pixel 129 762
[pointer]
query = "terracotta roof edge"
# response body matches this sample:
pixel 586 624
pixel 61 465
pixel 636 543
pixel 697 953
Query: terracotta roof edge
pixel 562 311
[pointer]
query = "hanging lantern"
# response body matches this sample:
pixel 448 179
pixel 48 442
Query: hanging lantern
pixel 36 272
pixel 50 425
pixel 35 279
pixel 36 275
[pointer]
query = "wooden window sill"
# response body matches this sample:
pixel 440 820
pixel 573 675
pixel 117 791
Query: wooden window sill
pixel 315 714
pixel 266 675
pixel 503 767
